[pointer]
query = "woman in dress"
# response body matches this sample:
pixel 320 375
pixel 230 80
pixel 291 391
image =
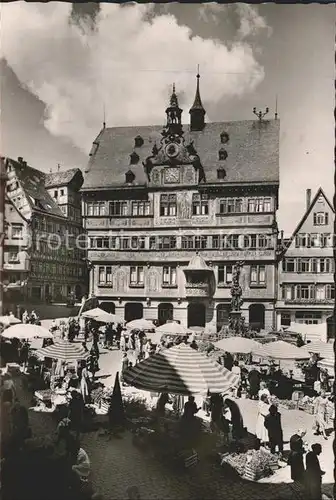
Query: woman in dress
pixel 295 458
pixel 84 383
pixel 320 412
pixel 263 390
pixel 238 430
pixel 261 431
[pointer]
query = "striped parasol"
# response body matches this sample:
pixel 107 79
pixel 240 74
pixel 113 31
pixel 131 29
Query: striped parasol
pixel 64 351
pixel 180 370
pixel 324 349
pixel 281 350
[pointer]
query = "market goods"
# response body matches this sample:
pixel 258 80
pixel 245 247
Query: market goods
pixel 253 465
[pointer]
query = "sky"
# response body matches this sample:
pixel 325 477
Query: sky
pixel 62 66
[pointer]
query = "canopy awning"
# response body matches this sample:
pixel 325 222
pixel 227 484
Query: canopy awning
pixel 140 324
pixel 26 331
pixel 93 313
pixel 9 320
pixel 281 350
pixel 181 370
pixel 173 329
pixel 238 345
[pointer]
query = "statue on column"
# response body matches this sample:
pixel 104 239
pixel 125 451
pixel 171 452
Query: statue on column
pixel 237 321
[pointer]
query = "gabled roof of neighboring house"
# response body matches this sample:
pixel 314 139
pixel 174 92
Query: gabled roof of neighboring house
pixel 32 182
pixel 253 153
pixel 62 177
pixel 305 216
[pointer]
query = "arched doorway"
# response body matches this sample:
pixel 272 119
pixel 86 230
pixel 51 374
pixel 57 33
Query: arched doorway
pixel 133 310
pixel 165 312
pixel 196 314
pixel 78 292
pixel 257 317
pixel 109 307
pixel 223 311
pixel 331 327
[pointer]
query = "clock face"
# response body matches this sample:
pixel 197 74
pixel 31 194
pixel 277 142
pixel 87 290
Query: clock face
pixel 172 150
pixel 172 175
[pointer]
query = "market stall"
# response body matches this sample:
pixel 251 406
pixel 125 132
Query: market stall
pixel 66 355
pixel 178 371
pixel 181 370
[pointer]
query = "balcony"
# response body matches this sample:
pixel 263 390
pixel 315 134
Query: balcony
pixel 310 301
pixel 197 290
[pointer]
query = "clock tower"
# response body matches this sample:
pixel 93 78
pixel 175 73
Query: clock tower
pixel 173 161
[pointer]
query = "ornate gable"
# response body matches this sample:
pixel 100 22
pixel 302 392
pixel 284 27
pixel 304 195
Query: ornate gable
pixel 167 162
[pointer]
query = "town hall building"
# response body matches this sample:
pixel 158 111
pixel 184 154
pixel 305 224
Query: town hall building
pixel 169 210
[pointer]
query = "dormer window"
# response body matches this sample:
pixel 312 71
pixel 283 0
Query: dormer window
pixel 134 158
pixel 221 174
pixel 129 177
pixel 138 141
pixel 224 137
pixel 222 154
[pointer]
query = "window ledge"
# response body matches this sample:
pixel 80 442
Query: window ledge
pixel 168 286
pixel 218 214
pixel 105 285
pixel 258 286
pixel 136 285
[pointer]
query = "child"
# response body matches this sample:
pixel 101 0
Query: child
pixel 273 426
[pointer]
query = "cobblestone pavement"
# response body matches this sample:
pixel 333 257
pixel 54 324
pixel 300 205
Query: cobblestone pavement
pixel 117 464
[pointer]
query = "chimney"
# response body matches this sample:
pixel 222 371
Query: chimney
pixel 308 198
pixel 20 159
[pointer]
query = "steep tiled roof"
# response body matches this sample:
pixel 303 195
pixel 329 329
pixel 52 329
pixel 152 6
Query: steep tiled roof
pixel 60 178
pixel 32 182
pixel 253 152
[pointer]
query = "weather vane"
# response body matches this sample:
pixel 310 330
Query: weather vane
pixel 260 114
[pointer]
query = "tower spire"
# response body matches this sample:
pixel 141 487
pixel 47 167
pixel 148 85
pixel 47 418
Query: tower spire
pixel 197 111
pixel 174 112
pixel 104 116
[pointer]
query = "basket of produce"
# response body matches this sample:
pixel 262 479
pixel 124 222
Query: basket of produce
pixel 288 405
pixel 235 460
pixel 252 465
pixel 259 464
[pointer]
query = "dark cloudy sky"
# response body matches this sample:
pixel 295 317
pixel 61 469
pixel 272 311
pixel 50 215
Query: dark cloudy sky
pixel 57 76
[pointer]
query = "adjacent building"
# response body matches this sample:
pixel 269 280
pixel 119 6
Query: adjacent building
pixel 306 292
pixel 3 178
pixel 43 262
pixel 169 210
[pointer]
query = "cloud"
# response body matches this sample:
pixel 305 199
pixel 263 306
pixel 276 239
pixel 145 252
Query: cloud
pixel 127 63
pixel 251 22
pixel 210 12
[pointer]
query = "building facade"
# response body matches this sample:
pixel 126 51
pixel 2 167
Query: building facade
pixel 306 291
pixel 169 211
pixel 43 262
pixel 3 178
